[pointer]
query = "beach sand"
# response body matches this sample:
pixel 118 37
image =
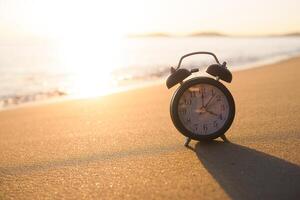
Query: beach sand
pixel 124 146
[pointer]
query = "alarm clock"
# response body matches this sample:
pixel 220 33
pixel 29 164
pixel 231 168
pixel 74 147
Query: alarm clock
pixel 201 108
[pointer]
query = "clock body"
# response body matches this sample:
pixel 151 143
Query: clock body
pixel 202 108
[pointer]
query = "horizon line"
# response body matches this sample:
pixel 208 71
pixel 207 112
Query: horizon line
pixel 211 33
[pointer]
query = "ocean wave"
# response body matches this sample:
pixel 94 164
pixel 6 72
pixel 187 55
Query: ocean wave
pixel 14 100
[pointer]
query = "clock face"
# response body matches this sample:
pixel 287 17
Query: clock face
pixel 203 109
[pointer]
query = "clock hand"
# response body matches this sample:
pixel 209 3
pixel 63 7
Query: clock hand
pixel 202 99
pixel 211 98
pixel 210 105
pixel 210 112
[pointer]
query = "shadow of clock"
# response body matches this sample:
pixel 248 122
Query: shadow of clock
pixel 245 173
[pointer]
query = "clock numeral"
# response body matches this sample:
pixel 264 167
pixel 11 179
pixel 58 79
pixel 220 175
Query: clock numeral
pixel 218 98
pixel 222 107
pixel 215 124
pixel 196 127
pixel 187 101
pixel 204 128
pixel 212 92
pixel 221 117
pixel 202 90
pixel 183 111
pixel 188 120
pixel 193 94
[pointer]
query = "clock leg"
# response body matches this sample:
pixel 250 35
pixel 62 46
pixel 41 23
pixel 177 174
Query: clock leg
pixel 224 138
pixel 187 141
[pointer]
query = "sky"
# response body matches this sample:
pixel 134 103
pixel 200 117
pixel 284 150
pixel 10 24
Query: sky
pixel 87 18
pixel 87 36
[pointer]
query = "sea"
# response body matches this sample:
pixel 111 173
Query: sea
pixel 33 71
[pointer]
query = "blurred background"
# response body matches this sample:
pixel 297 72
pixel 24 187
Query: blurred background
pixel 89 48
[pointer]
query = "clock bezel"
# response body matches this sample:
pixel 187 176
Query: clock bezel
pixel 175 101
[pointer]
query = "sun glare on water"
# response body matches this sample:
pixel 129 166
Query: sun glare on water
pixel 89 38
pixel 90 54
pixel 90 62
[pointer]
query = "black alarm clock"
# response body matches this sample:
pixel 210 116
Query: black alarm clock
pixel 202 108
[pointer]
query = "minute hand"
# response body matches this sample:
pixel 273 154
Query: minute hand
pixel 211 98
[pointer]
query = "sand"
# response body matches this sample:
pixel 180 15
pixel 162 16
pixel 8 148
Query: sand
pixel 124 146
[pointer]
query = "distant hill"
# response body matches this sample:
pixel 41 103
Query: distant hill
pixel 209 34
pixel 196 34
pixel 295 34
pixel 200 34
pixel 150 35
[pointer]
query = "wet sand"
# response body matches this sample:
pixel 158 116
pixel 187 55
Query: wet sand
pixel 124 146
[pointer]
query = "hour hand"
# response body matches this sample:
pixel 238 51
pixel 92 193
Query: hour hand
pixel 210 112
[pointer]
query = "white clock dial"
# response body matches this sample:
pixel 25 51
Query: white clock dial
pixel 203 109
